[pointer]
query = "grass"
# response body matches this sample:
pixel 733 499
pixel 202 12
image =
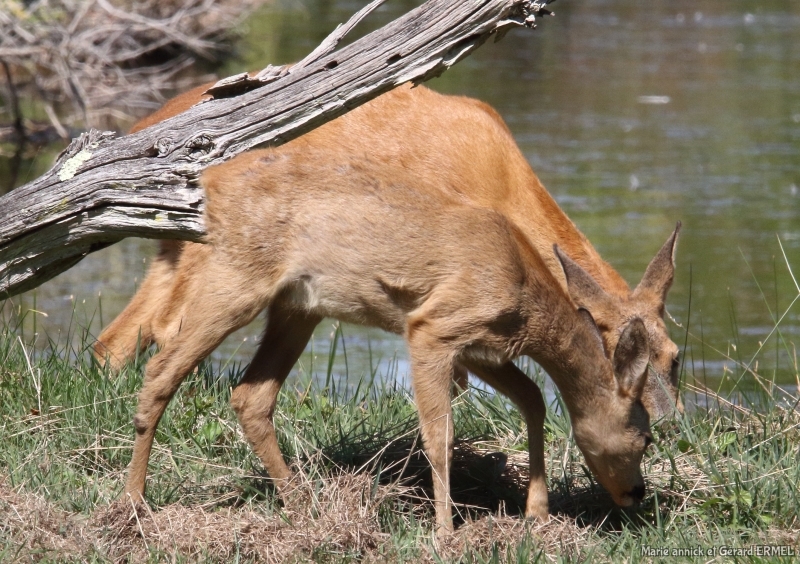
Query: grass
pixel 722 477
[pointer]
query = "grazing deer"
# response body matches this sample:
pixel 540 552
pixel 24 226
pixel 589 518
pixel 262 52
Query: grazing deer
pixel 457 146
pixel 305 235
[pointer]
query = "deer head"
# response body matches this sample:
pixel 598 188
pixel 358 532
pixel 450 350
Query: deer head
pixel 612 427
pixel 612 315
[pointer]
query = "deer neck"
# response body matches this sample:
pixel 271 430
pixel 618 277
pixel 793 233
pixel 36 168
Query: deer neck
pixel 530 206
pixel 569 349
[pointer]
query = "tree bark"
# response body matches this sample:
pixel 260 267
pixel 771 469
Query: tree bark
pixel 104 188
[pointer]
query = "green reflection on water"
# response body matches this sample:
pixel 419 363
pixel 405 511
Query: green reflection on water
pixel 584 96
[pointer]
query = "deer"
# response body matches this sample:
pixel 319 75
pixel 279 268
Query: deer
pixel 339 237
pixel 458 146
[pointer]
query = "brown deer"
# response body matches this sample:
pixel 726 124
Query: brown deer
pixel 456 146
pixel 306 235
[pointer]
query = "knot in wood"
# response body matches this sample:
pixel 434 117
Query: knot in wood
pixel 163 146
pixel 200 145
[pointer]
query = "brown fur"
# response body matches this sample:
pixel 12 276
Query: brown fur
pixel 464 289
pixel 456 146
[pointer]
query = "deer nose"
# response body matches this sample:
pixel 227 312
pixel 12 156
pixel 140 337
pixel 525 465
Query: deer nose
pixel 637 493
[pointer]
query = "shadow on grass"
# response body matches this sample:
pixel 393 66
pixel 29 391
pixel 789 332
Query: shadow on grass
pixel 483 482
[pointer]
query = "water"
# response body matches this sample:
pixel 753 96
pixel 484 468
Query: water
pixel 634 115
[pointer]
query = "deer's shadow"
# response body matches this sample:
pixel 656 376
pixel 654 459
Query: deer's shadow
pixel 482 481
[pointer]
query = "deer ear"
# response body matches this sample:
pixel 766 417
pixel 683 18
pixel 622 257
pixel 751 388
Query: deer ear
pixel 582 288
pixel 631 358
pixel 587 316
pixel 661 270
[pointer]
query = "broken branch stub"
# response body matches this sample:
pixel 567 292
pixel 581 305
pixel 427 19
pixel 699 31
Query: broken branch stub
pixel 104 188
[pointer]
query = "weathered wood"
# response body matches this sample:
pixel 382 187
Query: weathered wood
pixel 103 188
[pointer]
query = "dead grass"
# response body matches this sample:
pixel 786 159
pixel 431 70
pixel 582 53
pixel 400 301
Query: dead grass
pixel 39 527
pixel 559 538
pixel 95 62
pixel 339 519
pixel 335 520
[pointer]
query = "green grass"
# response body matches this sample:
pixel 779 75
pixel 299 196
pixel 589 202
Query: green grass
pixel 720 476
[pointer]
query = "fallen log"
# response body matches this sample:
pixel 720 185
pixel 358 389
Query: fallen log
pixel 104 188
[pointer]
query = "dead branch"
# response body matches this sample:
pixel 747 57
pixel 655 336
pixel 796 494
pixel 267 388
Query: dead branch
pixel 90 55
pixel 103 189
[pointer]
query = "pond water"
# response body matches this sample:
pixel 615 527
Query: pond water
pixel 635 115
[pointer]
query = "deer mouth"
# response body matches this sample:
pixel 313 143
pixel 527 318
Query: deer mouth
pixel 630 498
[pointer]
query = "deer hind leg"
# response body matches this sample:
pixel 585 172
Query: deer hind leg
pixel 254 398
pixel 525 394
pixel 216 303
pixel 132 331
pixel 432 371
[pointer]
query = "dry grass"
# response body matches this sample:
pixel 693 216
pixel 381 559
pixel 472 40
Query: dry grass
pixel 38 526
pixel 338 518
pixel 94 62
